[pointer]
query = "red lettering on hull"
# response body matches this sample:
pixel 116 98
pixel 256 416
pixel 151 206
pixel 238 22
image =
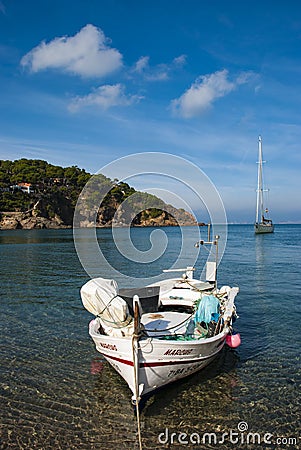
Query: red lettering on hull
pixel 108 346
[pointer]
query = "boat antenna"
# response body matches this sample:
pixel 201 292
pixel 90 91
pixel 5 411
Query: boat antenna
pixel 211 266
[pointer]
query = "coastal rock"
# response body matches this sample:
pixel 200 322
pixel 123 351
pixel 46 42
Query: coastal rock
pixel 9 223
pixel 32 220
pixel 28 221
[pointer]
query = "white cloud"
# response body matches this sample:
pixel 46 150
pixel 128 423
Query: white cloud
pixel 204 91
pixel 104 97
pixel 180 60
pixel 158 72
pixel 141 64
pixel 87 54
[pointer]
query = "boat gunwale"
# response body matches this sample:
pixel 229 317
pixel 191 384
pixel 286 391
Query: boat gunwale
pixel 202 340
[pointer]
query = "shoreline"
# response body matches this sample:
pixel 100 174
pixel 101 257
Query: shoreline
pixel 30 220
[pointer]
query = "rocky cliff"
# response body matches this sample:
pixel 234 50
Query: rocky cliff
pixel 11 220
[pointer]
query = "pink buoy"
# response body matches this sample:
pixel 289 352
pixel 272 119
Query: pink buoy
pixel 233 340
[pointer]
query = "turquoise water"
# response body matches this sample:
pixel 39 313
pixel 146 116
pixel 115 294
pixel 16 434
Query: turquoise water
pixel 50 397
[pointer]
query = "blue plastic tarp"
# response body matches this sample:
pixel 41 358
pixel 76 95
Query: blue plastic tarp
pixel 208 305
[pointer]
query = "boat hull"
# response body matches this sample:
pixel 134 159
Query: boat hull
pixel 261 228
pixel 160 361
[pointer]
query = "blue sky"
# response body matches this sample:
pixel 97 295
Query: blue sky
pixel 84 83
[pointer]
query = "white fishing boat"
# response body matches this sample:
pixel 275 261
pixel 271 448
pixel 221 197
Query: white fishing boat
pixel 262 223
pixel 161 333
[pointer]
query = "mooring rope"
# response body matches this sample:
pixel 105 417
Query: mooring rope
pixel 135 338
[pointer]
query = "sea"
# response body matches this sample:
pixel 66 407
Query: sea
pixel 56 391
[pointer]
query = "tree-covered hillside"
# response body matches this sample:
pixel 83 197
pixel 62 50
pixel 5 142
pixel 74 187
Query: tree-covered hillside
pixel 39 189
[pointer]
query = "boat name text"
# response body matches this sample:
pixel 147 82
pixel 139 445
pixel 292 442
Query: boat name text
pixel 108 346
pixel 178 351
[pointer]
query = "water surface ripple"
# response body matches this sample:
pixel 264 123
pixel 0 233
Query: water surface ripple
pixel 50 398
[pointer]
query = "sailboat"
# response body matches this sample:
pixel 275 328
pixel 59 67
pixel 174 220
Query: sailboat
pixel 262 223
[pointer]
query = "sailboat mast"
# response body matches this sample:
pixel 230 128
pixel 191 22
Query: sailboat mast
pixel 259 203
pixel 262 224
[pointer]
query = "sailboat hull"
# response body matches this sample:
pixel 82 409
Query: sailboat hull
pixel 261 228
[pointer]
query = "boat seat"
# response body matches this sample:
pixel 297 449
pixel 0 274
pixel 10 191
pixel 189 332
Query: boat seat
pixel 148 298
pixel 166 323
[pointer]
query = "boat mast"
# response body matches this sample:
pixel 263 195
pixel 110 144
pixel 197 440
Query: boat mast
pixel 259 203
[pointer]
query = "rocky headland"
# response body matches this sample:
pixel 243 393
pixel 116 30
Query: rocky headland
pixel 36 195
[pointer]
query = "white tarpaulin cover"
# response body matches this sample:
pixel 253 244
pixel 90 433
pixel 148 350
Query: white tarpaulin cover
pixel 100 297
